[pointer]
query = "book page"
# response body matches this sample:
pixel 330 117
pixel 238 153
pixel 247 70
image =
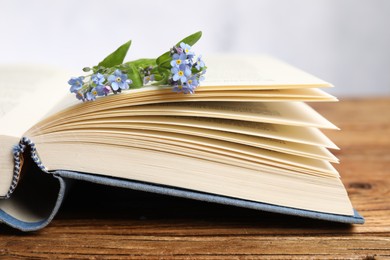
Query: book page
pixel 285 113
pixel 288 113
pixel 273 187
pixel 129 138
pixel 28 92
pixel 252 70
pixel 119 124
pixel 304 135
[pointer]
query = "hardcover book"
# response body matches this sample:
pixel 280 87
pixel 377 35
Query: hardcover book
pixel 245 138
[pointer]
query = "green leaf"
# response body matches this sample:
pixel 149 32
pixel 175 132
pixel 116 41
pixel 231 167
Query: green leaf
pixel 142 63
pixel 194 70
pixel 158 77
pixel 162 78
pixel 190 40
pixel 134 75
pixel 166 64
pixel 117 57
pixel 163 71
pixel 163 58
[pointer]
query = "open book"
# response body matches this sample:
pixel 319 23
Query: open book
pixel 245 138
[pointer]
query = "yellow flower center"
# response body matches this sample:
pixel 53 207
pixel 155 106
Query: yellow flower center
pixel 178 62
pixel 189 81
pixel 94 92
pixel 118 79
pixel 181 73
pixel 187 50
pixel 180 87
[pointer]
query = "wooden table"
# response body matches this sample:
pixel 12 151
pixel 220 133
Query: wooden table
pixel 100 222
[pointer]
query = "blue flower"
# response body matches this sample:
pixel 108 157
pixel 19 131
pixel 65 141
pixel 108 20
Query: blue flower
pixel 79 96
pixel 148 78
pixel 193 83
pixel 76 84
pixel 98 79
pixel 199 63
pixel 178 88
pixel 186 49
pixel 103 90
pixel 91 95
pixel 201 75
pixel 177 60
pixel 181 72
pixel 119 81
pixel 176 49
pixel 182 88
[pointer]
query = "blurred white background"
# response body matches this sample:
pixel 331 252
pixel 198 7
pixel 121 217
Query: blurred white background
pixel 344 42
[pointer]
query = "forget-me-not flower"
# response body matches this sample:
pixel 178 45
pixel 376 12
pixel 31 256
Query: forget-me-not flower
pixel 182 88
pixel 186 49
pixel 186 71
pixel 91 95
pixel 193 82
pixel 119 80
pixel 181 73
pixel 79 96
pixel 148 78
pixel 178 59
pixel 102 90
pixel 199 63
pixel 98 79
pixel 76 84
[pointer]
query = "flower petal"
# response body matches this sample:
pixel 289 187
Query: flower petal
pixel 118 73
pixel 124 86
pixel 111 78
pixel 176 77
pixel 115 86
pixel 187 71
pixel 175 70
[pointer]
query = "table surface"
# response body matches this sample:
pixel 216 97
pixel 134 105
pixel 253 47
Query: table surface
pixel 102 222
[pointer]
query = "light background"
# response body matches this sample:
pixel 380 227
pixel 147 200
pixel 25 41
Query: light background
pixel 346 42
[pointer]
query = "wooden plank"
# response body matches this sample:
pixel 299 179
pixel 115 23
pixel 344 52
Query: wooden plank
pixel 101 222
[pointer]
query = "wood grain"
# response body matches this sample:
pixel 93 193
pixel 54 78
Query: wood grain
pixel 100 222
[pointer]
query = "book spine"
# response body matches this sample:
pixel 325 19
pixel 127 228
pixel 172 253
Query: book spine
pixel 18 151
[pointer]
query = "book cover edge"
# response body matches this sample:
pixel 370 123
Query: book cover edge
pixel 214 198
